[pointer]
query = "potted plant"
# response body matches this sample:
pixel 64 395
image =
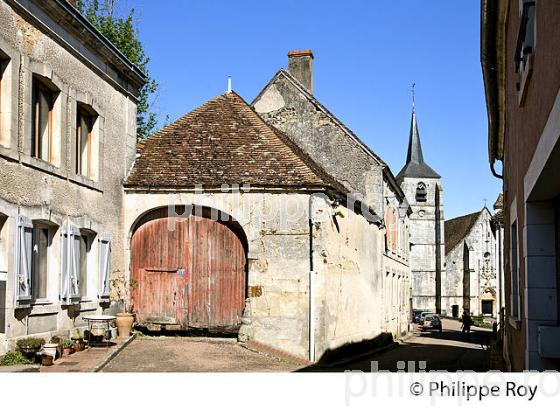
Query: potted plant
pixel 121 290
pixel 78 340
pixel 67 347
pixel 30 346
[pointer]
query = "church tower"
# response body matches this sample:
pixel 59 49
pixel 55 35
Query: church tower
pixel 423 190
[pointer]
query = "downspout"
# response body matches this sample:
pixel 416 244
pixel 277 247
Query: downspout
pixel 311 286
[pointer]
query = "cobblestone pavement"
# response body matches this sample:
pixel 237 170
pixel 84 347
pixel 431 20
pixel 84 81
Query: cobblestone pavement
pixel 193 354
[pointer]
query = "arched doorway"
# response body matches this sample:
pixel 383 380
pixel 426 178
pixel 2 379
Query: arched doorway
pixel 188 271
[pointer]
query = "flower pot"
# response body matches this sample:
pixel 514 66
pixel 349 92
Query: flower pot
pixel 66 351
pixel 29 352
pixel 47 360
pixel 124 324
pixel 50 349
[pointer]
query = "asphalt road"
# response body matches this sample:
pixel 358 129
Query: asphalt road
pixel 447 350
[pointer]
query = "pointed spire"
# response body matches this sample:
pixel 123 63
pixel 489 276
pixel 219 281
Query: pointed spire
pixel 415 166
pixel 414 145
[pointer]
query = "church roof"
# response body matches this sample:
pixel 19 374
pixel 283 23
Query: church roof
pixel 415 166
pixel 224 142
pixel 457 229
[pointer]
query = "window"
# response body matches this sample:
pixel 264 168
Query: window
pixel 84 143
pixel 526 35
pixel 514 265
pixel 104 265
pixel 40 267
pixel 84 252
pixel 42 122
pixel 24 248
pixel 421 193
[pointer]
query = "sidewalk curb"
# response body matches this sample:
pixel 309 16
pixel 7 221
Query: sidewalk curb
pixel 114 353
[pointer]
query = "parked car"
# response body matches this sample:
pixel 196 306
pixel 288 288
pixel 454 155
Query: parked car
pixel 416 316
pixel 432 322
pixel 423 316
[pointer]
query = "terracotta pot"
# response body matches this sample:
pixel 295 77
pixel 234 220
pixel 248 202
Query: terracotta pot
pixel 47 360
pixel 66 351
pixel 124 324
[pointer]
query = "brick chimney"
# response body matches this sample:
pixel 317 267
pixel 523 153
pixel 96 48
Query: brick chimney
pixel 300 65
pixel 72 2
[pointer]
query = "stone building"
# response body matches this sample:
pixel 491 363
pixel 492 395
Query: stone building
pixel 424 192
pixel 297 251
pixel 521 68
pixel 472 273
pixel 67 140
pixel 288 104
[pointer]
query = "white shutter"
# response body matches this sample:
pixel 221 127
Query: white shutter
pixel 69 288
pixel 24 254
pixel 104 265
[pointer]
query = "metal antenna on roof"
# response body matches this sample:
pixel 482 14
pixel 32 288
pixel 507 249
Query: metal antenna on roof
pixel 229 84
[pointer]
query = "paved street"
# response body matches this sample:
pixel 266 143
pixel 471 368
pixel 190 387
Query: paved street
pixel 447 350
pixel 193 354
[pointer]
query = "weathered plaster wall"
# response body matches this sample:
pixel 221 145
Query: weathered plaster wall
pixel 285 107
pixel 423 239
pixel 346 261
pixel 52 192
pixel 481 242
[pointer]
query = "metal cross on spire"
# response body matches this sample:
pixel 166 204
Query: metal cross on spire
pixel 413 95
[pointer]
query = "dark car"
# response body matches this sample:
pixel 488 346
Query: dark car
pixel 416 316
pixel 432 322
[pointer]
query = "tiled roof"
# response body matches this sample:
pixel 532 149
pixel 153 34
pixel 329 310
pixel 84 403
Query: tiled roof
pixel 456 229
pixel 224 142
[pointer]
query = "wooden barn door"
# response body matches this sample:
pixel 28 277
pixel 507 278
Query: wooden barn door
pixel 189 272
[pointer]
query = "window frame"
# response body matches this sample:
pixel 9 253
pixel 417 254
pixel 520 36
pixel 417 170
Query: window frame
pixel 89 119
pixel 515 295
pixel 421 194
pixel 38 86
pixel 37 228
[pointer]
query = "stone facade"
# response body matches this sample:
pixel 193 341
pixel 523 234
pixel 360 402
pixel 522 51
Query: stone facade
pixel 50 43
pixel 289 106
pixel 325 266
pixel 471 267
pixel 427 244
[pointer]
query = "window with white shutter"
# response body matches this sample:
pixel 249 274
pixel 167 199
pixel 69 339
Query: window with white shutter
pixel 24 260
pixel 69 286
pixel 104 265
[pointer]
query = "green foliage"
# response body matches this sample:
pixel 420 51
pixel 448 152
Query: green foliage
pixel 122 32
pixel 67 343
pixel 12 358
pixel 30 343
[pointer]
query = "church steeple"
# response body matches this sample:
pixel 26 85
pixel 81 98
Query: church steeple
pixel 415 166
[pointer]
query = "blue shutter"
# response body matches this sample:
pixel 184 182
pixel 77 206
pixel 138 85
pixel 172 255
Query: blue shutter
pixel 24 255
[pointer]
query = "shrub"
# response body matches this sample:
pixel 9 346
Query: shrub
pixel 67 343
pixel 30 342
pixel 12 358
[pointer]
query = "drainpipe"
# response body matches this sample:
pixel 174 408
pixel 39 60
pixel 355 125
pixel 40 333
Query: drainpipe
pixel 311 286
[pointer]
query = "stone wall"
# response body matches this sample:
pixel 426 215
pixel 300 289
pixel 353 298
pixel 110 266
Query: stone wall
pixel 481 247
pixel 424 247
pixel 339 252
pixel 283 105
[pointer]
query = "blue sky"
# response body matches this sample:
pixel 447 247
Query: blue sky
pixel 367 54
